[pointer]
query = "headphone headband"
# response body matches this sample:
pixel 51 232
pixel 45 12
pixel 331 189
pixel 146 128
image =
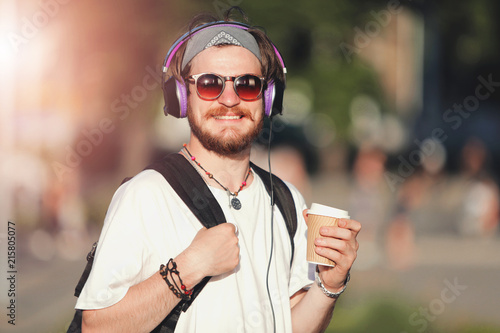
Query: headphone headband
pixel 177 44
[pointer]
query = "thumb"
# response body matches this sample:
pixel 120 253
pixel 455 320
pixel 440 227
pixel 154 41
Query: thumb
pixel 304 213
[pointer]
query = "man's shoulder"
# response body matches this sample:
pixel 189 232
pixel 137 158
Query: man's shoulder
pixel 145 182
pixel 277 181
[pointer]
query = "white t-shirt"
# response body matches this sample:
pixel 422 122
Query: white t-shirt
pixel 147 224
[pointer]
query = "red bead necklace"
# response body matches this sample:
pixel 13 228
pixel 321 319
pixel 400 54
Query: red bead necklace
pixel 235 202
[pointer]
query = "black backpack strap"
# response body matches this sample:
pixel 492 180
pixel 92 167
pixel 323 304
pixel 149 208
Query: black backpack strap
pixel 76 324
pixel 192 189
pixel 283 199
pixel 86 272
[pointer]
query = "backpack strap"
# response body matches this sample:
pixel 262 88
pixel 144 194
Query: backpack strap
pixel 283 199
pixel 86 272
pixel 192 189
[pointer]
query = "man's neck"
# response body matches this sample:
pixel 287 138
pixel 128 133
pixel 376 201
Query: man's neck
pixel 230 171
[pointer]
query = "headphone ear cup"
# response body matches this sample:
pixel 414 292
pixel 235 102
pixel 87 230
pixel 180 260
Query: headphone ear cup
pixel 175 96
pixel 273 98
pixel 269 98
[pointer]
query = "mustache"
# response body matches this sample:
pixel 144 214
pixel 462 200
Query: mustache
pixel 222 111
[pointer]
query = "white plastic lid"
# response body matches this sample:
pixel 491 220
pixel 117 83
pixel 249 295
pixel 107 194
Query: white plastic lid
pixel 318 209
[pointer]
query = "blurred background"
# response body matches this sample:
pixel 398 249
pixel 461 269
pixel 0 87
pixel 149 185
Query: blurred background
pixel 391 112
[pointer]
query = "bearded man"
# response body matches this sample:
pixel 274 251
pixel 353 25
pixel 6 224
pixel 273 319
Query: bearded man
pixel 153 251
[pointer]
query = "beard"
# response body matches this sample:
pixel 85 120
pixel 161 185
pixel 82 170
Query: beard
pixel 224 145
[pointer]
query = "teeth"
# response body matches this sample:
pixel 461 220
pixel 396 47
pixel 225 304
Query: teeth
pixel 227 117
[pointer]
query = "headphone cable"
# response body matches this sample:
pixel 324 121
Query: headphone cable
pixel 272 220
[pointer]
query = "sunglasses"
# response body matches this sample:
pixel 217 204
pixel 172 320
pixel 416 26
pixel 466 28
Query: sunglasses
pixel 210 86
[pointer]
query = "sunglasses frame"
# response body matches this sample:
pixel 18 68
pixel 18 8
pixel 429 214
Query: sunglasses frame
pixel 194 79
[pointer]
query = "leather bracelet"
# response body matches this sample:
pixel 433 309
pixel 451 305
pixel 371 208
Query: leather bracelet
pixel 326 291
pixel 168 271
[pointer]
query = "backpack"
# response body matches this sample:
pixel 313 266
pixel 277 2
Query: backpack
pixel 192 189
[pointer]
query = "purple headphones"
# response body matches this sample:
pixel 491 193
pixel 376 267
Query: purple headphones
pixel 175 92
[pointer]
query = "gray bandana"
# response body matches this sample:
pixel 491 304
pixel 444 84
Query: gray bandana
pixel 218 35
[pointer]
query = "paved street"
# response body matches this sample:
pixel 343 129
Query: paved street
pixel 44 297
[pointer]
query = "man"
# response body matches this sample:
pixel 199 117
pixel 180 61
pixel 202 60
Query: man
pixel 147 225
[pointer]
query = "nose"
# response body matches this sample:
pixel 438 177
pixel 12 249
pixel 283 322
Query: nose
pixel 229 98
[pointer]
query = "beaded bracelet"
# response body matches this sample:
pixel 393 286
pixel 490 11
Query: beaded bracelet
pixel 170 270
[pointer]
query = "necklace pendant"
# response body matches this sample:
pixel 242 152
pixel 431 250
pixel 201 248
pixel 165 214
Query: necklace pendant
pixel 236 203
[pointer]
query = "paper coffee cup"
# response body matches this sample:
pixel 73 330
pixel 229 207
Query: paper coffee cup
pixel 319 216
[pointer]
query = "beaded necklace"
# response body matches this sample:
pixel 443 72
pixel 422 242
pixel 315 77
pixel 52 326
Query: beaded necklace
pixel 235 202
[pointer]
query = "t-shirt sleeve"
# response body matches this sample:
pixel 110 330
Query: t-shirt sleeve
pixel 123 257
pixel 299 277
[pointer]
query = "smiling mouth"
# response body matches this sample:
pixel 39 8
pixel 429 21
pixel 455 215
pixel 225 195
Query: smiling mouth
pixel 228 117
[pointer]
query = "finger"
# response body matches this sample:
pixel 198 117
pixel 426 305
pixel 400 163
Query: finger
pixel 338 245
pixel 331 254
pixel 336 232
pixel 304 213
pixel 231 230
pixel 225 230
pixel 235 228
pixel 343 259
pixel 229 227
pixel 347 247
pixel 339 234
pixel 350 224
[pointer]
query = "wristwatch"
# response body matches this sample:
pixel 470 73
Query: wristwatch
pixel 326 291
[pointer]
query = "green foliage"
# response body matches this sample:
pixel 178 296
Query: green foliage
pixel 377 315
pixel 386 314
pixel 480 328
pixel 309 35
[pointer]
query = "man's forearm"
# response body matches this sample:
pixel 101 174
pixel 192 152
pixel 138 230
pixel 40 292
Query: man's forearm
pixel 142 309
pixel 212 252
pixel 314 311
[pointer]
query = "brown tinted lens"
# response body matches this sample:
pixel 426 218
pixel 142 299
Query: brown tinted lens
pixel 209 86
pixel 248 87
